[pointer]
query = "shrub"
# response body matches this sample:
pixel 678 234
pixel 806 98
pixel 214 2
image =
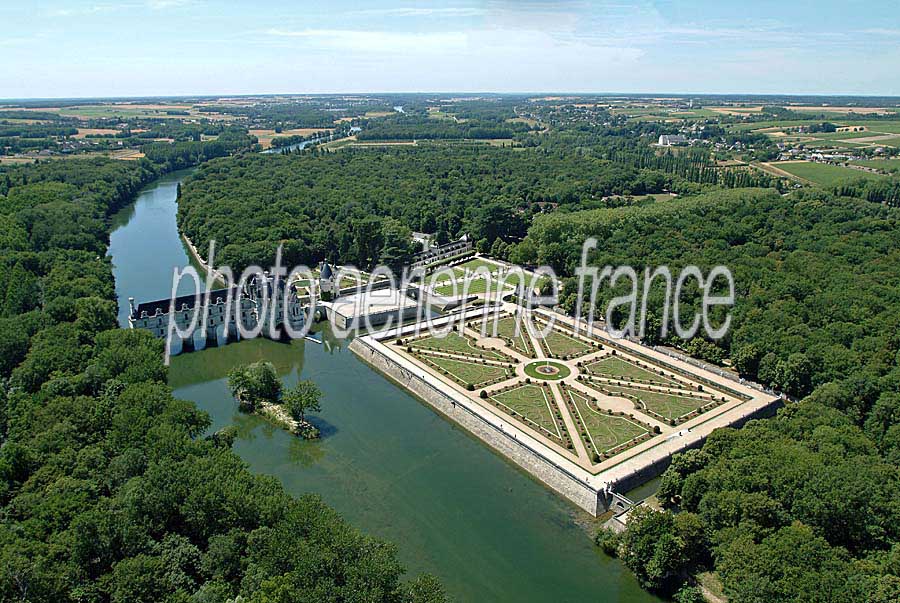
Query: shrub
pixel 608 541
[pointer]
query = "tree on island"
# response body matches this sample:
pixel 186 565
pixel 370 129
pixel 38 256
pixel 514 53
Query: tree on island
pixel 254 383
pixel 302 398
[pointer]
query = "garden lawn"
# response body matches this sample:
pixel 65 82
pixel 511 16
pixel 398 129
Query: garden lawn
pixel 668 406
pixel 473 286
pixel 454 343
pixel 535 404
pixel 605 431
pixel 559 344
pixel 469 373
pixel 614 367
pixel 506 329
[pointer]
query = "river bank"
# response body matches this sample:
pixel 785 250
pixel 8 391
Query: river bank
pixel 390 465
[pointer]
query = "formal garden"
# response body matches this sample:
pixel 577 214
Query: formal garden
pixel 616 367
pixel 454 343
pixel 667 405
pixel 557 344
pixel 606 433
pixel 547 370
pixel 534 405
pixel 512 330
pixel 564 386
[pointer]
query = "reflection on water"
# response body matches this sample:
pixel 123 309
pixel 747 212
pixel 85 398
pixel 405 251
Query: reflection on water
pixel 397 470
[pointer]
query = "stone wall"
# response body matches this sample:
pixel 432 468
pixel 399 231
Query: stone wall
pixel 551 475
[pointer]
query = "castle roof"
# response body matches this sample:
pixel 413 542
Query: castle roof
pixel 326 272
pixel 163 305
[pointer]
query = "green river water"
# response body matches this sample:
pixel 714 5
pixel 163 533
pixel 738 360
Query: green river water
pixel 386 462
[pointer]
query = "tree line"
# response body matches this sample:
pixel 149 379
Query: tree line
pixel 111 489
pixel 351 205
pixel 806 504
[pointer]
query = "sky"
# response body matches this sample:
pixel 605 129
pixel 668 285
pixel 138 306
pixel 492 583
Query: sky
pixel 102 48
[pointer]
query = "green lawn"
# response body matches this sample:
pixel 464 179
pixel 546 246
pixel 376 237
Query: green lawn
pixel 473 286
pixel 527 278
pixel 474 264
pixel 455 343
pixel 531 369
pixel 559 344
pixel 614 367
pixel 506 329
pixel 605 431
pixel 888 165
pixel 668 406
pixel 535 404
pixel 469 373
pixel 823 173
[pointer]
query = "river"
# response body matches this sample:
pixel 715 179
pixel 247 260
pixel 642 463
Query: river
pixel 386 462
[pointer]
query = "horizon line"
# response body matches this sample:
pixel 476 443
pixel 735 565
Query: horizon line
pixel 451 92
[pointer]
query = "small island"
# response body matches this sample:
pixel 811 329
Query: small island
pixel 257 389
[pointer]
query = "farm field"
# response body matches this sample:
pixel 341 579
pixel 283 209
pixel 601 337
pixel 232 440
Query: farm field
pixel 85 132
pixel 266 136
pixel 822 174
pixel 889 165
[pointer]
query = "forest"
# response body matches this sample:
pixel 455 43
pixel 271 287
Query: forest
pixel 807 502
pixel 804 506
pixel 422 127
pixel 345 206
pixel 109 488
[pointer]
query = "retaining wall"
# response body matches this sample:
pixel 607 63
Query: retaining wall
pixel 551 475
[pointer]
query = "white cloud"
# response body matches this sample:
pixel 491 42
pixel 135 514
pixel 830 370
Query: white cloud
pixel 422 12
pixel 163 4
pixel 97 9
pixel 377 41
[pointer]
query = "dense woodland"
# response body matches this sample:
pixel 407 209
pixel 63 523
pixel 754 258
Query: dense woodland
pixel 339 205
pixel 421 127
pixel 801 507
pixel 109 490
pixel 805 506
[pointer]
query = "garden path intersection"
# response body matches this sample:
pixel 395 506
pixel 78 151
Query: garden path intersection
pixel 605 411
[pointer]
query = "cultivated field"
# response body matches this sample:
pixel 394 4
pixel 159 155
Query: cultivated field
pixel 822 174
